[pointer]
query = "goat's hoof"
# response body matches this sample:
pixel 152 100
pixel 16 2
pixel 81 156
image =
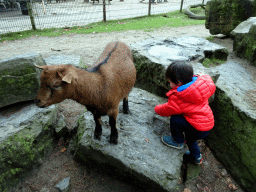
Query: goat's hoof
pixel 128 112
pixel 97 136
pixel 113 139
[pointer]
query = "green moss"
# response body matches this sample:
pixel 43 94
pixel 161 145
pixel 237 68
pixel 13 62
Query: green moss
pixel 198 11
pixel 81 128
pixel 192 171
pixel 21 146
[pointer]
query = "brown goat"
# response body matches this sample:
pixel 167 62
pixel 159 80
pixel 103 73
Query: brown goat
pixel 100 88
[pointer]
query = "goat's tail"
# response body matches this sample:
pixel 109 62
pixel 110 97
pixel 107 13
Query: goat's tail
pixel 97 67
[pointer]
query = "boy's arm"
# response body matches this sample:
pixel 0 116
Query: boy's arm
pixel 167 109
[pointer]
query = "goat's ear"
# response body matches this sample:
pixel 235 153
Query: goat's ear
pixel 68 76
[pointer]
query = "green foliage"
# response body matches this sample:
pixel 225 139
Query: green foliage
pixel 212 62
pixel 210 38
pixel 146 23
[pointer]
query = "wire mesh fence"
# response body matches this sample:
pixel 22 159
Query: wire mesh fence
pixel 20 15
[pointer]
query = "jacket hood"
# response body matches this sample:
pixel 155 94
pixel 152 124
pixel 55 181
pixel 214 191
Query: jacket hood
pixel 196 93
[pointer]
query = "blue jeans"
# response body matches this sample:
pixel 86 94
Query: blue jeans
pixel 179 125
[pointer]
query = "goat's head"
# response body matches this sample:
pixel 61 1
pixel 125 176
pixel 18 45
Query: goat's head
pixel 55 84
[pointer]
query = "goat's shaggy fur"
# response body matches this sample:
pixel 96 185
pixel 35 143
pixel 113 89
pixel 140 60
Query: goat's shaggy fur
pixel 100 88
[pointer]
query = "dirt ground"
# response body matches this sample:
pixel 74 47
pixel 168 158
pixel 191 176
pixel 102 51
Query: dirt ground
pixel 60 164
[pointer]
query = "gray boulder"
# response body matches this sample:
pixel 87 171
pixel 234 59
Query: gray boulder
pixel 19 79
pixel 153 56
pixel 140 152
pixel 26 137
pixel 244 36
pixel 232 139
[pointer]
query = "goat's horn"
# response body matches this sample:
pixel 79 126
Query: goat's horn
pixel 40 67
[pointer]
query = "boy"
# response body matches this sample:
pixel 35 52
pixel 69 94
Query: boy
pixel 188 107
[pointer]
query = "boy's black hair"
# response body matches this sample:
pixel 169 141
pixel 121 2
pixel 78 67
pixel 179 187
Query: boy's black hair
pixel 179 71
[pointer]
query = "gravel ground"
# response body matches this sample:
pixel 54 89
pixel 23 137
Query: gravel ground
pixel 59 164
pixel 89 46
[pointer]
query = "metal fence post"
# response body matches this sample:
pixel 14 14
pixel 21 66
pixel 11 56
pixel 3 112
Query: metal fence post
pixel 149 7
pixel 181 5
pixel 104 11
pixel 31 15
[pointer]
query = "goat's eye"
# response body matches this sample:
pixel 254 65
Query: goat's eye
pixel 54 87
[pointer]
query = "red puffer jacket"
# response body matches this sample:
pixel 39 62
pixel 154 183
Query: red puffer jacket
pixel 192 103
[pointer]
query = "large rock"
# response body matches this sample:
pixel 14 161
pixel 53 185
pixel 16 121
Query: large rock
pixel 233 138
pixel 222 16
pixel 26 136
pixel 244 36
pixel 140 152
pixel 153 56
pixel 19 79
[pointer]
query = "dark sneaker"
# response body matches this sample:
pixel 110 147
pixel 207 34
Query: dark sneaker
pixel 170 142
pixel 197 161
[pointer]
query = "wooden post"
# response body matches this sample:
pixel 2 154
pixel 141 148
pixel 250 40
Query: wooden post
pixel 31 15
pixel 104 11
pixel 181 6
pixel 149 7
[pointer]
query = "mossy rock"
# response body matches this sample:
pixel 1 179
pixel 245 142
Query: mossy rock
pixel 19 79
pixel 25 143
pixel 245 45
pixel 222 16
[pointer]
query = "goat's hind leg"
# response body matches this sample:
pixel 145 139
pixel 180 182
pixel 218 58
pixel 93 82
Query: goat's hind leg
pixel 125 105
pixel 98 128
pixel 112 123
pixel 114 132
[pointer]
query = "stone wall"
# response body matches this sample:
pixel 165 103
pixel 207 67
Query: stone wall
pixel 233 140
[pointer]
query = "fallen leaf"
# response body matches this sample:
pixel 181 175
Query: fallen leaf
pixel 232 187
pixel 187 190
pixel 63 149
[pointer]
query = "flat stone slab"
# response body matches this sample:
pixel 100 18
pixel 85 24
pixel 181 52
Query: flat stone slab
pixel 140 152
pixel 185 48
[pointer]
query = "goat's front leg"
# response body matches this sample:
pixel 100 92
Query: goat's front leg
pixel 98 128
pixel 112 123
